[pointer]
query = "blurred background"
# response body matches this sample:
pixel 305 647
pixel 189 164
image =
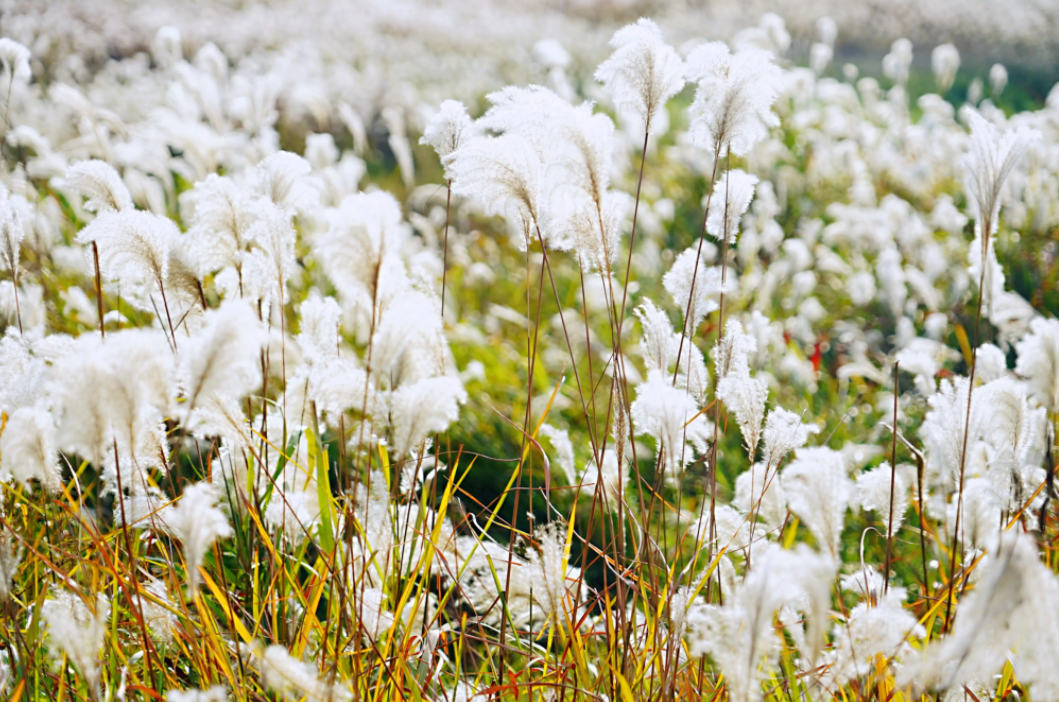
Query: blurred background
pixel 376 52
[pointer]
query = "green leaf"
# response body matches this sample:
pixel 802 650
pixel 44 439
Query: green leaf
pixel 323 487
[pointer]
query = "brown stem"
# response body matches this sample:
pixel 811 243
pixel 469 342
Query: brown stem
pixel 99 289
pixel 967 425
pixel 168 319
pixel 893 483
pixel 138 600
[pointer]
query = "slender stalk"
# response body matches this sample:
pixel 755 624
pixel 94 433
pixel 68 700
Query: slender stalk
pixel 531 342
pixel 632 234
pixel 445 247
pixel 168 318
pixel 136 601
pixel 18 308
pixel 893 483
pixel 99 289
pixel 967 424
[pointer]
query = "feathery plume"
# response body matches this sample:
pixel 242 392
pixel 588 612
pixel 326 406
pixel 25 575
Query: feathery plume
pixel 11 234
pixel 78 632
pixel 643 72
pixel 731 355
pixel 986 165
pixel 28 448
pixel 318 337
pixel 274 238
pixel 878 626
pixel 657 345
pixel 818 491
pixel 295 680
pixel 283 179
pixel 672 417
pixel 197 523
pixel 757 490
pixel 1010 609
pixel 745 397
pixel 15 58
pixel 448 129
pixel 784 432
pixel 222 358
pixel 502 175
pixel 1038 361
pixel 733 100
pixel 873 493
pixel 707 284
pixel 998 79
pixel 736 188
pixel 220 223
pixel 740 636
pixel 549 572
pixel 10 556
pixel 421 409
pixel 945 61
pixel 361 250
pixel 133 245
pixel 101 185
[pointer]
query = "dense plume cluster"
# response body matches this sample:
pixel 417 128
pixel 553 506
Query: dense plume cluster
pixel 701 373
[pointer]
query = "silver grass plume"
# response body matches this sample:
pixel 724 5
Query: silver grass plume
pixel 672 418
pixel 1011 610
pixel 133 245
pixel 534 113
pixel 707 285
pixel 273 237
pixel 220 223
pixel 361 251
pixel 878 625
pixel 549 568
pixel 111 395
pixel 15 58
pixel 29 449
pixel 221 359
pixel 873 493
pixel 986 165
pixel 582 211
pixel 818 491
pixel 502 176
pixel 742 394
pixel 100 184
pixel 318 336
pixel 758 491
pixel 945 61
pixel 784 432
pixel 1038 362
pixel 643 72
pixel 740 636
pixel 79 632
pixel 197 523
pixel 10 556
pixel 733 98
pixel 293 679
pixel 745 397
pixel 423 408
pixel 284 180
pixel 447 130
pixel 339 385
pixel 657 344
pixel 736 190
pixel 11 235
